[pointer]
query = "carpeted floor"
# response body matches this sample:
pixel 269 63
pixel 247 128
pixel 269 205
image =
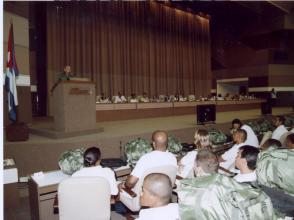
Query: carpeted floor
pixel 141 126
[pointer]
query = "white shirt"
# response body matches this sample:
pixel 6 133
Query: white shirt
pixel 247 177
pixel 251 137
pixel 188 162
pixel 230 156
pixel 98 171
pixel 168 212
pixel 134 100
pixel 153 159
pixel 278 132
pixel 118 99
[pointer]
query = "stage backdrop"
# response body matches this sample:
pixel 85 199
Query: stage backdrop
pixel 130 47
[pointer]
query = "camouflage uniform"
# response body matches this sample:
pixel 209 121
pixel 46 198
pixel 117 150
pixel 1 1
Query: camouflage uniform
pixel 71 161
pixel 221 198
pixel 135 149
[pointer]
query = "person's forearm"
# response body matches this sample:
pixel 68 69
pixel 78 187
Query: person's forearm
pixel 131 182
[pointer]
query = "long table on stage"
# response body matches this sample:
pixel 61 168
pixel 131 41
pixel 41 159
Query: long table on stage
pixel 126 111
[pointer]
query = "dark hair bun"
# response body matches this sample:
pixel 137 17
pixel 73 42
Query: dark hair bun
pixel 91 156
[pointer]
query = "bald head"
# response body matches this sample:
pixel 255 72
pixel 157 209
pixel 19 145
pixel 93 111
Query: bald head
pixel 157 190
pixel 159 139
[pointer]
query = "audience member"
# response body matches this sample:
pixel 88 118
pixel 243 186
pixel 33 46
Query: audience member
pixel 156 194
pixel 228 158
pixel 290 141
pixel 206 163
pixel 246 163
pixel 186 164
pixel 280 127
pixel 92 159
pixel 209 196
pixel 270 143
pixel 158 157
pixel 251 137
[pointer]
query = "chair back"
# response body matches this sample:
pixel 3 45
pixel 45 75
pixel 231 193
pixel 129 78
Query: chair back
pixel 82 198
pixel 265 137
pixel 134 203
pixel 283 138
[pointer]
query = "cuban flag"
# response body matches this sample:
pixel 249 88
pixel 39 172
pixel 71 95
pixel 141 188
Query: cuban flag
pixel 11 73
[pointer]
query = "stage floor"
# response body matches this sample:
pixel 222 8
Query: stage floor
pixel 141 126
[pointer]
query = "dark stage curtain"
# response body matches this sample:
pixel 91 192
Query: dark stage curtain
pixel 130 47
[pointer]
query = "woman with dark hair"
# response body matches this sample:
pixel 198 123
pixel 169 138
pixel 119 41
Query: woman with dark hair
pixel 92 167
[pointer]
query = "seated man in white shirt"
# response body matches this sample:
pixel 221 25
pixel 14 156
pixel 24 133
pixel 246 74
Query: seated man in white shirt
pixel 156 194
pixel 227 160
pixel 280 127
pixel 246 163
pixel 158 157
pixel 133 98
pixel 144 98
pixel 92 159
pixel 119 98
pixel 251 137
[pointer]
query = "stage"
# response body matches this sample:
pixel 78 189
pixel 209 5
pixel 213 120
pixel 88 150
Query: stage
pixel 42 153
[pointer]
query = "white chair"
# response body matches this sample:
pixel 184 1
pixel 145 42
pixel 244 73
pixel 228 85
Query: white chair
pixel 266 136
pixel 283 138
pixel 133 203
pixel 81 198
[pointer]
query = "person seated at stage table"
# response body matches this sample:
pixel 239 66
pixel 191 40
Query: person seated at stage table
pixel 280 127
pixel 246 163
pixel 133 98
pixel 186 164
pixel 158 157
pixel 92 168
pixel 144 98
pixel 227 160
pixel 119 98
pixel 156 194
pixel 270 143
pixel 220 97
pixel 251 137
pixel 102 98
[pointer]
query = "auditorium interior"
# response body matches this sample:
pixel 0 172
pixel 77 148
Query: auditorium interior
pixel 135 67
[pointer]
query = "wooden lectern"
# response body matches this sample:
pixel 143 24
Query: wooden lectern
pixel 74 106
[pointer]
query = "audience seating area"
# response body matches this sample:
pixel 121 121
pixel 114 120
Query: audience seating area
pixel 132 201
